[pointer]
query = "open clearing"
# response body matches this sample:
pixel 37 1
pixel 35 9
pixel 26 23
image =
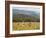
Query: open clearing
pixel 26 25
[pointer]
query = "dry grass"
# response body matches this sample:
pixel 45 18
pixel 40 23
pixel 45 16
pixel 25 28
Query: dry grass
pixel 26 25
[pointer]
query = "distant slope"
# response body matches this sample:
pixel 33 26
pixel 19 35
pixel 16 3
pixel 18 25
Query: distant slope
pixel 34 16
pixel 16 11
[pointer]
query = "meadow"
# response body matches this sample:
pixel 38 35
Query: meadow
pixel 26 26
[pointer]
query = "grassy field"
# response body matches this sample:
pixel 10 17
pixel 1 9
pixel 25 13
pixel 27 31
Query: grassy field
pixel 26 25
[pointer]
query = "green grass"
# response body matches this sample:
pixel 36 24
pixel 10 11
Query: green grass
pixel 26 25
pixel 26 19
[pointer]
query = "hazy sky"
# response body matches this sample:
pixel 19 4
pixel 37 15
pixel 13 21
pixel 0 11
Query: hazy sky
pixel 27 9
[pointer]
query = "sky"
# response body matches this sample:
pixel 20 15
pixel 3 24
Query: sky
pixel 28 9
